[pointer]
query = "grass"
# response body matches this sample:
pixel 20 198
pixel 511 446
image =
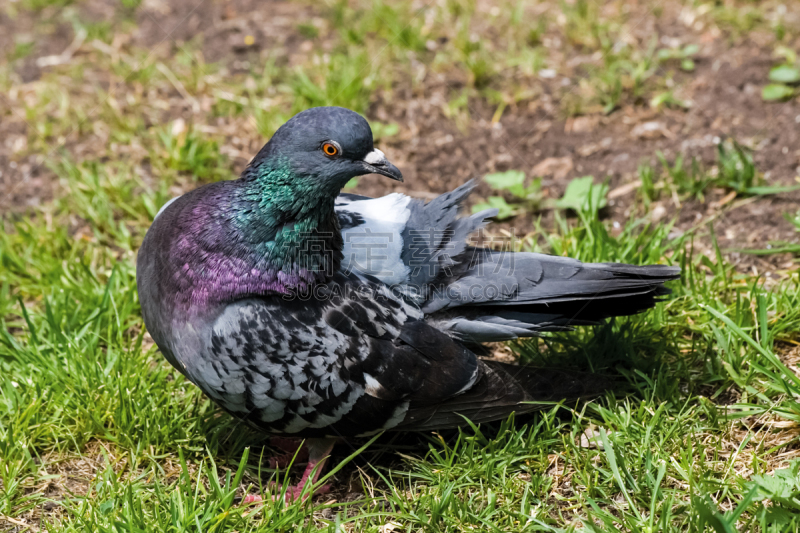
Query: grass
pixel 82 382
pixel 733 172
pixel 98 433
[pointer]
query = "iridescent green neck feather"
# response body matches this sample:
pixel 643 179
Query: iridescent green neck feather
pixel 288 220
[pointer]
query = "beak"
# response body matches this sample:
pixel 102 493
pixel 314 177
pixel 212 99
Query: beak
pixel 376 162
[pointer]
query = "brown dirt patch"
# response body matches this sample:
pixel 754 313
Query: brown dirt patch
pixel 222 28
pixel 726 104
pixel 436 154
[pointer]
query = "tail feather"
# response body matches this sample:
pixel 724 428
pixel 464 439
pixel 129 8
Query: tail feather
pixel 504 389
pixel 490 278
pixel 497 296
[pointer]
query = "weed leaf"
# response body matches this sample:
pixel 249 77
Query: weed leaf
pixel 776 91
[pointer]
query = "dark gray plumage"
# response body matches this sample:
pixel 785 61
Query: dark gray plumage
pixel 250 290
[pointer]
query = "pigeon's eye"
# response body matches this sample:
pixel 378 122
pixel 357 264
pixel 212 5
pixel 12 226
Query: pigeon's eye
pixel 330 149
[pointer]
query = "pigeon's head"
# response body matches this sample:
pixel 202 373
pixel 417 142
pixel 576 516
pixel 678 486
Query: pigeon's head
pixel 327 146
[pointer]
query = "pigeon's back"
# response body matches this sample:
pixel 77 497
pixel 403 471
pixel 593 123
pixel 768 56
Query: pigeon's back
pixel 479 295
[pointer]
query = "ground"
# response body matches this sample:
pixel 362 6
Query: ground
pixel 108 109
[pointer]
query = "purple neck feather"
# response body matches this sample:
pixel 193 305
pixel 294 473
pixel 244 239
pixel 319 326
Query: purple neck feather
pixel 232 242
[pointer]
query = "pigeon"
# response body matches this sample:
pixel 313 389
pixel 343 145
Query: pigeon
pixel 317 315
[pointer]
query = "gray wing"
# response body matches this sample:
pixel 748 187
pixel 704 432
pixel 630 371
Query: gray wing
pixel 340 365
pixel 479 295
pixel 496 296
pixel 350 360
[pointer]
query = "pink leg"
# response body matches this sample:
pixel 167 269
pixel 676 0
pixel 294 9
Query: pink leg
pixel 290 446
pixel 318 452
pixel 285 444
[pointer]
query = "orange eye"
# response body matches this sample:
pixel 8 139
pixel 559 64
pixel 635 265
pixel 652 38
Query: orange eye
pixel 330 150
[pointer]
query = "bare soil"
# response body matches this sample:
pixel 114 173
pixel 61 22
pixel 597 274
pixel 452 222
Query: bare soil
pixel 436 155
pixel 725 92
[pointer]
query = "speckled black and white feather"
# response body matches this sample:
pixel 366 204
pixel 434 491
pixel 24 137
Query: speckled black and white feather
pixel 351 360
